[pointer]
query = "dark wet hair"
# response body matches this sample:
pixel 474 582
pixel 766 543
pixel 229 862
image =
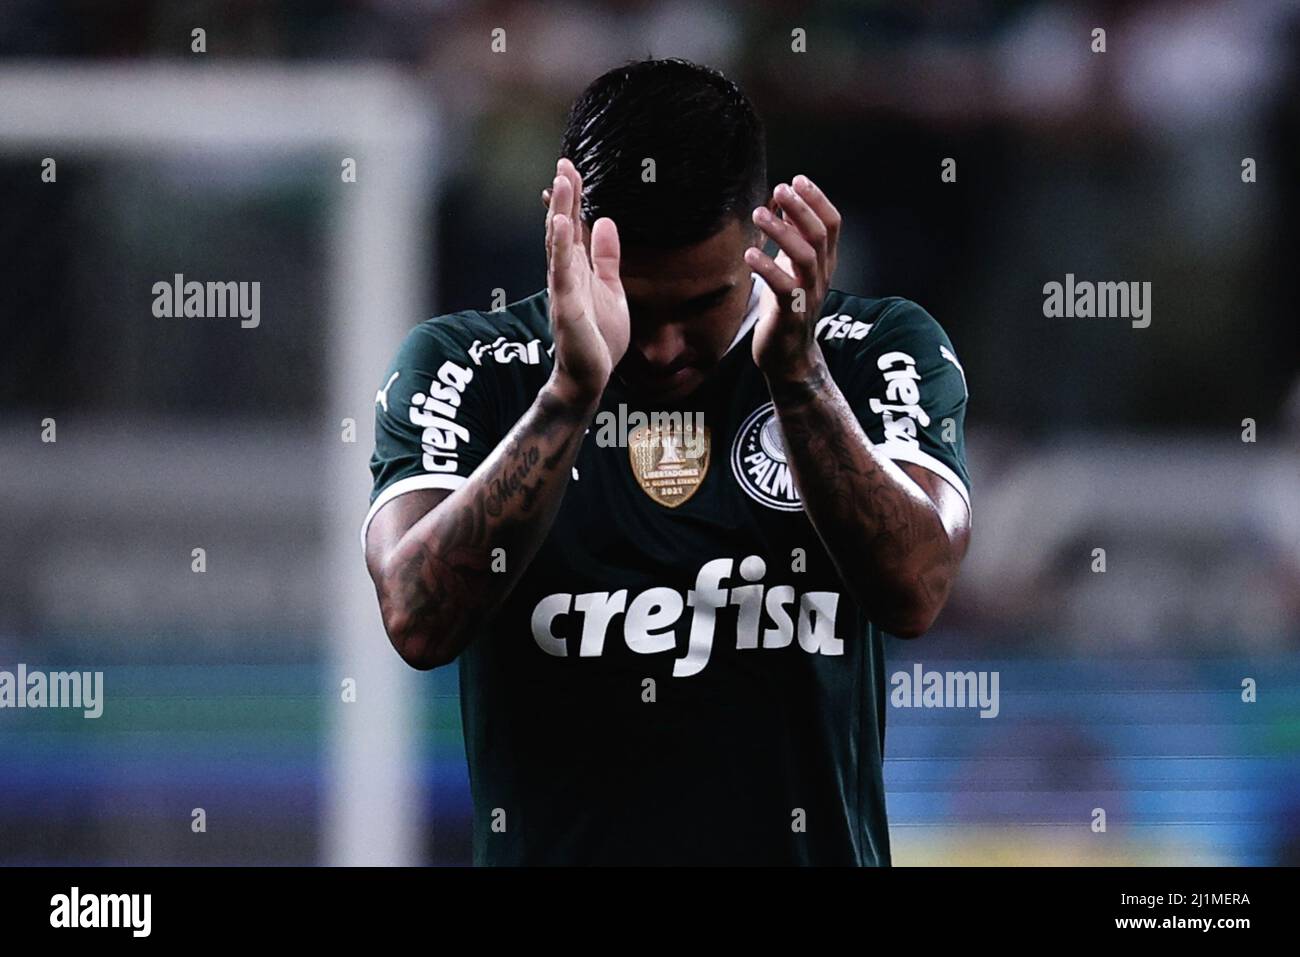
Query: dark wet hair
pixel 705 138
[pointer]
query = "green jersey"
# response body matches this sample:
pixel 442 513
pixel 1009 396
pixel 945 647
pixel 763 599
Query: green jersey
pixel 680 675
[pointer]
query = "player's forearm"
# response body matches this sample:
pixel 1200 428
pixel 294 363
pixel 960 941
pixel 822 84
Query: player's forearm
pixel 438 585
pixel 884 534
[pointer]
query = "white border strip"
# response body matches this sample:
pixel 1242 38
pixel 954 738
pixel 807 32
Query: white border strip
pixel 413 483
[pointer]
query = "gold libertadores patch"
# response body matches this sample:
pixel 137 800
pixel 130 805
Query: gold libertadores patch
pixel 669 461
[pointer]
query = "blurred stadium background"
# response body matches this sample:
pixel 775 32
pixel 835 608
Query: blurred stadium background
pixel 1119 690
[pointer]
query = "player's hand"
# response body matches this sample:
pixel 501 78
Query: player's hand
pixel 589 316
pixel 807 233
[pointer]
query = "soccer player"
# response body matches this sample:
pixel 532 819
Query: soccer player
pixel 662 511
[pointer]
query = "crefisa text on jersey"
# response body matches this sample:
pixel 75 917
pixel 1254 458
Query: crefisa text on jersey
pixel 649 621
pixel 435 414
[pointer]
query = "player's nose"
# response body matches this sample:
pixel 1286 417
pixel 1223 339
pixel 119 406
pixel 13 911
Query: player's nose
pixel 662 345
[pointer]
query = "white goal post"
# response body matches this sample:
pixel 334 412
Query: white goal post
pixel 379 257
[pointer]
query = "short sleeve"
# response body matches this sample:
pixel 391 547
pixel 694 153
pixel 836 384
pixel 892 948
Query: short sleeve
pixel 908 390
pixel 435 416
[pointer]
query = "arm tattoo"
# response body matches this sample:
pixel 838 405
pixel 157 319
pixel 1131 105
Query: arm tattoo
pixel 884 534
pixel 440 583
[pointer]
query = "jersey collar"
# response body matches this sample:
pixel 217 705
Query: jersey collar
pixel 760 294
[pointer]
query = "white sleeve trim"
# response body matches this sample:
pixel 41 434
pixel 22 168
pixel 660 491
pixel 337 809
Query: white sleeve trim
pixel 413 483
pixel 907 452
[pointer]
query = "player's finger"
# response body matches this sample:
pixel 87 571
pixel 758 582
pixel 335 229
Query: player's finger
pixel 550 220
pixel 791 242
pixel 570 172
pixel 559 273
pixel 561 195
pixel 798 212
pixel 559 204
pixel 821 205
pixel 605 250
pixel 825 209
pixel 782 283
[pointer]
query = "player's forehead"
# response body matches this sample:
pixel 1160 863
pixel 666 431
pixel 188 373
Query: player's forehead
pixel 668 276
